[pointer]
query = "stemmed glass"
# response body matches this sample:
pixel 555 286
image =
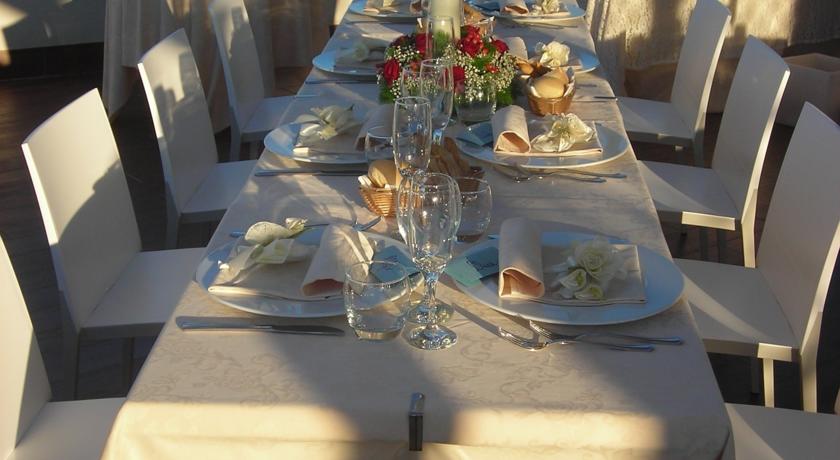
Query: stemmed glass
pixel 434 214
pixel 412 142
pixel 410 81
pixel 438 86
pixel 441 36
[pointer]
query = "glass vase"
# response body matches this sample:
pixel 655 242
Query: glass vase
pixel 476 104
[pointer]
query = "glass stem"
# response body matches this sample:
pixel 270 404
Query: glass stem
pixel 437 136
pixel 429 300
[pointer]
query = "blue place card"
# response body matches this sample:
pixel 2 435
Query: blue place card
pixel 392 254
pixel 471 269
pixel 480 134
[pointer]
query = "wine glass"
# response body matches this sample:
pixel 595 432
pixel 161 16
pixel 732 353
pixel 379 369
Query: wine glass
pixel 434 214
pixel 476 208
pixel 410 81
pixel 437 85
pixel 441 36
pixel 412 136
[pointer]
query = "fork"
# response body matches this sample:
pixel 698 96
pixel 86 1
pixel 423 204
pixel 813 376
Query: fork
pixel 525 177
pixel 540 175
pixel 535 345
pixel 356 226
pixel 552 335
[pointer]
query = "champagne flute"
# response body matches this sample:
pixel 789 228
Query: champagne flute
pixel 434 214
pixel 412 144
pixel 438 86
pixel 441 36
pixel 410 81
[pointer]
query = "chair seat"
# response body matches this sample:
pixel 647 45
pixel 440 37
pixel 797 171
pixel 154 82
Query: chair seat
pixel 69 430
pixel 768 433
pixel 654 121
pixel 735 311
pixel 266 117
pixel 689 195
pixel 217 191
pixel 145 295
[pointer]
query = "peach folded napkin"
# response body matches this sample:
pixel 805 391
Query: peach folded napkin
pixel 517 47
pixel 520 259
pixel 515 7
pixel 340 247
pixel 382 115
pixel 392 6
pixel 510 131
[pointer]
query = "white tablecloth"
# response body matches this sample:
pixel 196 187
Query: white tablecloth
pixel 248 395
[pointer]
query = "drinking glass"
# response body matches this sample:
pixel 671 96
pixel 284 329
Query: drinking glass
pixel 441 36
pixel 434 213
pixel 476 207
pixel 437 85
pixel 412 134
pixel 410 81
pixel 378 145
pixel 376 298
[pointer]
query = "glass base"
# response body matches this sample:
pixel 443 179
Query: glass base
pixel 420 315
pixel 377 336
pixel 432 337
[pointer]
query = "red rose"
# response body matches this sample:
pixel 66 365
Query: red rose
pixel 458 75
pixel 391 71
pixel 420 42
pixel 501 47
pixel 491 68
pixel 471 43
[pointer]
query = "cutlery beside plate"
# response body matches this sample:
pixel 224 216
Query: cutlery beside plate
pixel 243 324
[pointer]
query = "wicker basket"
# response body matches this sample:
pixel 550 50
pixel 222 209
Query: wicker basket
pixel 379 200
pixel 550 106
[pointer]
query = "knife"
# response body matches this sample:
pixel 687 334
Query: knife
pixel 280 172
pixel 238 324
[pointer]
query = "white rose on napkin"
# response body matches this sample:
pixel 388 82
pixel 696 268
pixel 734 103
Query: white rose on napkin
pixel 587 272
pixel 358 52
pixel 548 7
pixel 553 55
pixel 566 131
pixel 263 233
pixel 266 243
pixel 325 123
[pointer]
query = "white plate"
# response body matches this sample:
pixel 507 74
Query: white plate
pixel 358 7
pixel 326 62
pixel 208 268
pixel 613 142
pixel 281 141
pixel 663 287
pixel 574 13
pixel 588 61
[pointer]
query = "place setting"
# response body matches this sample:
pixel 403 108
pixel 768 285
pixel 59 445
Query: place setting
pixel 528 11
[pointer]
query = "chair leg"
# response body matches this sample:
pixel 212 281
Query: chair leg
pixel 721 244
pixel 128 362
pixel 769 383
pixel 808 371
pixel 748 238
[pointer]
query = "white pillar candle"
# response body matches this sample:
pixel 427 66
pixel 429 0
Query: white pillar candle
pixel 452 8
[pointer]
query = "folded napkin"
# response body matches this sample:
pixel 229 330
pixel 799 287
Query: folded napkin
pixel 340 247
pixel 515 7
pixel 382 115
pixel 364 53
pixel 555 8
pixel 555 54
pixel 567 135
pixel 517 47
pixel 392 6
pixel 520 259
pixel 510 131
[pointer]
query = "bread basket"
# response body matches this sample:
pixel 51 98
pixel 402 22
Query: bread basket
pixel 552 105
pixel 380 201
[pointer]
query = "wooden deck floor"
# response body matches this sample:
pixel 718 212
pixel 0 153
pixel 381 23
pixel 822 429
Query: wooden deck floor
pixel 26 103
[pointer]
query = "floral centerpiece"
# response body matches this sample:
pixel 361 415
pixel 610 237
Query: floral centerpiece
pixel 481 63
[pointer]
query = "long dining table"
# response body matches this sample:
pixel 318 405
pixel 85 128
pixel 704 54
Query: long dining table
pixel 253 395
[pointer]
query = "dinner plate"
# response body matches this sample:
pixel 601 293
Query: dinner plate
pixel 358 7
pixel 281 141
pixel 588 61
pixel 613 142
pixel 663 287
pixel 574 12
pixel 326 62
pixel 208 269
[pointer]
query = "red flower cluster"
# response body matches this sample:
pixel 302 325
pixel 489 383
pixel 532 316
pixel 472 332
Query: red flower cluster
pixel 501 47
pixel 458 77
pixel 420 41
pixel 391 71
pixel 472 42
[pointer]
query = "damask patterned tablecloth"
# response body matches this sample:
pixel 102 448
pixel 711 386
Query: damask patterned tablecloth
pixel 249 395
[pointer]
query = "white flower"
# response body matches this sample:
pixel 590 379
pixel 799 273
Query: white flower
pixel 566 131
pixel 591 292
pixel 588 270
pixel 263 233
pixel 356 53
pixel 325 123
pixel 552 55
pixel 547 7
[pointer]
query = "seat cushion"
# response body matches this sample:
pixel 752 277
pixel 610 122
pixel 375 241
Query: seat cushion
pixel 217 191
pixel 145 295
pixel 766 433
pixel 69 430
pixel 654 121
pixel 689 195
pixel 266 117
pixel 735 311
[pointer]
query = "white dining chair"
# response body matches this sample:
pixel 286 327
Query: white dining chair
pixel 774 311
pixel 198 189
pixel 108 288
pixel 30 426
pixel 253 114
pixel 724 197
pixel 339 11
pixel 682 120
pixel 778 434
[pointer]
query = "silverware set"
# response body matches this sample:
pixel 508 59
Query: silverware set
pixel 519 174
pixel 609 340
pixel 356 226
pixel 201 323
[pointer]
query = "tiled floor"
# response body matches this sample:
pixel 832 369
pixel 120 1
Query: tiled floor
pixel 25 104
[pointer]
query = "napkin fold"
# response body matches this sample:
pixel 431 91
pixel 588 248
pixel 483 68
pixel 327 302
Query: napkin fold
pixel 510 131
pixel 341 246
pixel 520 259
pixel 567 135
pixel 629 288
pixel 383 115
pixel 517 47
pixel 392 6
pixel 363 54
pixel 515 7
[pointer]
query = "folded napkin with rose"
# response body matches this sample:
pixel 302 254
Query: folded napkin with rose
pixel 270 260
pixel 554 8
pixel 587 273
pixel 393 6
pixel 330 129
pixel 560 135
pixel 554 55
pixel 364 53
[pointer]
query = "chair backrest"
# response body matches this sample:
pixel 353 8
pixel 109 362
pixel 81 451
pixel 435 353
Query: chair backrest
pixel 802 231
pixel 180 115
pixel 240 60
pixel 341 7
pixel 84 200
pixel 698 61
pixel 747 121
pixel 24 388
